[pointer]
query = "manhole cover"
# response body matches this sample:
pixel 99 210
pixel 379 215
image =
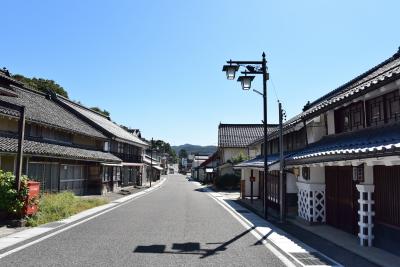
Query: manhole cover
pixel 312 258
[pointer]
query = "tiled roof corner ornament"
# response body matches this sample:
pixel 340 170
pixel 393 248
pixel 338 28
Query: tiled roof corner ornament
pixel 6 71
pixel 51 94
pixel 397 55
pixel 306 106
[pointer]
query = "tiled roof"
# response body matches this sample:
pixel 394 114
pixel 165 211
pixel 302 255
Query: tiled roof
pixel 258 162
pixel 210 159
pixel 42 110
pixel 9 112
pixel 10 145
pixel 240 135
pixel 377 140
pixel 384 72
pixel 104 123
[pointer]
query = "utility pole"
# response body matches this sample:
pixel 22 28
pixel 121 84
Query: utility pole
pixel 21 137
pixel 251 186
pixel 151 161
pixel 282 184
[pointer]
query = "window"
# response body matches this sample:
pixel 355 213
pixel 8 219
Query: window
pixel 305 171
pixel 7 163
pixel 358 173
pixel 116 173
pixel 106 174
pixel 35 130
pixel 106 146
pixel 392 101
pixel 350 118
pixel 120 148
pixel 375 111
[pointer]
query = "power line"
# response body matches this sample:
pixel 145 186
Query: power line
pixel 273 87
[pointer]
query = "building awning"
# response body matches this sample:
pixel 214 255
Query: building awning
pixel 371 142
pixel 158 167
pixel 132 164
pixel 258 162
pixel 149 161
pixel 112 164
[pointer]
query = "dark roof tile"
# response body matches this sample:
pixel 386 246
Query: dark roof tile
pixel 10 145
pixel 104 122
pixel 42 110
pixel 240 135
pixel 360 144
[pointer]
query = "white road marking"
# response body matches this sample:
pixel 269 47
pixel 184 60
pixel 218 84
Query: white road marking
pixel 30 233
pixel 267 234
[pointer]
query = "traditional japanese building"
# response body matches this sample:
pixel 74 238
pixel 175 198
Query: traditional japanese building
pixel 60 150
pixel 125 145
pixel 233 140
pixel 343 152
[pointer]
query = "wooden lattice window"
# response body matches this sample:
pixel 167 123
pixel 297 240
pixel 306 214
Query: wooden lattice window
pixel 350 118
pixel 375 111
pixel 392 101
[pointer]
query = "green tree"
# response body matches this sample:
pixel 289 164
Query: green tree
pixel 239 158
pixel 183 154
pixel 102 111
pixel 41 84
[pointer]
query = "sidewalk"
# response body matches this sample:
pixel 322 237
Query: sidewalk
pixel 6 230
pixel 332 242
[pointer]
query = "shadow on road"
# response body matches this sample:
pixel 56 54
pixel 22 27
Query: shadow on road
pixel 190 248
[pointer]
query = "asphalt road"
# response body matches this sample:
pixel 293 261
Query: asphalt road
pixel 175 225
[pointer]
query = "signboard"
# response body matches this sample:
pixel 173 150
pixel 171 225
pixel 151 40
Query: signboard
pixel 184 162
pixel 209 170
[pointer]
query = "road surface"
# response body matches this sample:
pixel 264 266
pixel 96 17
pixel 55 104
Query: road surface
pixel 175 225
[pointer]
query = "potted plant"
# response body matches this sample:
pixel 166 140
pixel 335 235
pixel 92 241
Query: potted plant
pixel 15 204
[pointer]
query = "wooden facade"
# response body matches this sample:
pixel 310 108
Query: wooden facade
pixel 341 198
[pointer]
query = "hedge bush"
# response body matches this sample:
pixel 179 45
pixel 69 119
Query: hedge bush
pixel 227 181
pixel 57 206
pixel 12 201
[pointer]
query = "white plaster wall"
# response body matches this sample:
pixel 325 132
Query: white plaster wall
pixel 317 175
pixel 291 186
pixel 254 151
pixel 246 175
pixel 368 174
pixel 316 129
pixel 330 116
pixel 229 153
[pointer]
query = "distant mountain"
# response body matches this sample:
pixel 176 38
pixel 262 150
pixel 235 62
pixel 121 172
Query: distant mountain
pixel 193 149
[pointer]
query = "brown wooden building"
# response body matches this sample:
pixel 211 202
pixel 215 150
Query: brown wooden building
pixel 125 145
pixel 60 150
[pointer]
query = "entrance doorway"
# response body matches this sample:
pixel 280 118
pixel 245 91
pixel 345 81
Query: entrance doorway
pixel 341 198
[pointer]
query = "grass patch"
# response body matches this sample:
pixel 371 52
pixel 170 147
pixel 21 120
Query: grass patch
pixel 54 207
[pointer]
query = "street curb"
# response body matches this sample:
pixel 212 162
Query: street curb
pixel 278 241
pixel 16 238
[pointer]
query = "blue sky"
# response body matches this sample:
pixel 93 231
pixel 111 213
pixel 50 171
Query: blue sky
pixel 156 65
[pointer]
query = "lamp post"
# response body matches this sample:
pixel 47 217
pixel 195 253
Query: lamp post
pixel 253 67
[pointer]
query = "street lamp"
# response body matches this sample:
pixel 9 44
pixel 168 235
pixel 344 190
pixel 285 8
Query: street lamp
pixel 230 70
pixel 253 67
pixel 246 81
